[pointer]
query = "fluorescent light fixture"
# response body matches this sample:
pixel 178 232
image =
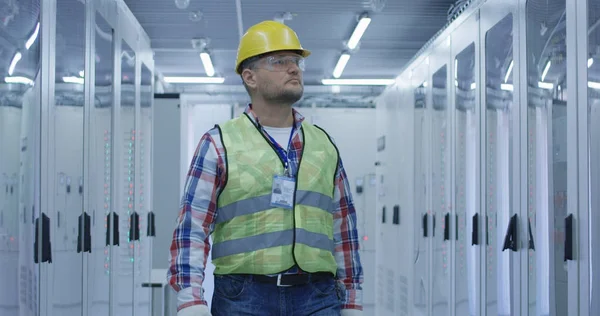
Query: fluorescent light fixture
pixel 18 79
pixel 455 68
pixel 594 85
pixel 546 70
pixel 14 62
pixel 507 87
pixel 208 66
pixel 590 62
pixel 509 71
pixel 359 30
pixel 546 85
pixel 33 36
pixel 81 74
pixel 473 86
pixel 194 80
pixel 341 64
pixel 358 82
pixel 77 80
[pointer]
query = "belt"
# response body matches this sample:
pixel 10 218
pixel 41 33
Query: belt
pixel 293 279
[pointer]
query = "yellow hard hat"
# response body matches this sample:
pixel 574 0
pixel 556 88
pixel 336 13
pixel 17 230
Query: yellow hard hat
pixel 265 37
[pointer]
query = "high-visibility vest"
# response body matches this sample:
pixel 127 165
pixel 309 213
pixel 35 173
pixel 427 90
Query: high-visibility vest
pixel 251 236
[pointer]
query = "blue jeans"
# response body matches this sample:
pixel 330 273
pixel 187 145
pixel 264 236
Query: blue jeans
pixel 241 295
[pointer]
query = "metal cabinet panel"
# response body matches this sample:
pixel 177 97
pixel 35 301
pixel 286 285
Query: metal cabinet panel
pixel 65 157
pixel 20 102
pixel 593 137
pixel 467 233
pixel 122 258
pixel 422 204
pixel 100 151
pixel 143 247
pixel 500 149
pixel 546 162
pixel 441 206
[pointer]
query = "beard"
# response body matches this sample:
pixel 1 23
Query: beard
pixel 283 96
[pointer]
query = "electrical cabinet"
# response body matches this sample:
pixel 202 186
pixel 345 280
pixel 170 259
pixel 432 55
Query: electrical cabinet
pixel 75 161
pixel 500 163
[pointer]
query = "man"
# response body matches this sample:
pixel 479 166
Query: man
pixel 272 191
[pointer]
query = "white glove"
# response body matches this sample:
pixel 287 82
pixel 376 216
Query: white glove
pixel 195 310
pixel 351 312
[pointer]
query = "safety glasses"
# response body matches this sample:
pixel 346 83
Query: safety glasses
pixel 282 63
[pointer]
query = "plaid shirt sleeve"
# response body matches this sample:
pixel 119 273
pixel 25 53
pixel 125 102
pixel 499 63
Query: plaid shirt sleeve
pixel 345 237
pixel 190 245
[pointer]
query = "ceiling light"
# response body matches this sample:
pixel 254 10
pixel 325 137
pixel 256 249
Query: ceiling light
pixel 546 70
pixel 18 79
pixel 33 36
pixel 81 74
pixel 590 62
pixel 216 80
pixel 594 85
pixel 358 82
pixel 545 85
pixel 359 30
pixel 14 62
pixel 341 64
pixel 207 63
pixel 509 71
pixel 77 80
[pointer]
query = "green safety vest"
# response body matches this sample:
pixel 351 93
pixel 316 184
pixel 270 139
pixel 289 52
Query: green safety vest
pixel 253 237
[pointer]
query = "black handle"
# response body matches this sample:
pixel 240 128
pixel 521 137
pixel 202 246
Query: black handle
pixel 396 215
pixel 475 230
pixel 447 226
pixel 46 247
pixel 510 240
pixel 487 231
pixel 383 215
pixel 84 236
pixel 112 219
pixel 531 243
pixel 134 227
pixel 151 230
pixel 425 217
pixel 456 228
pixel 569 238
pixel 433 224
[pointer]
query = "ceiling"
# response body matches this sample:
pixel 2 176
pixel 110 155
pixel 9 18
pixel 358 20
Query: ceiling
pixel 398 29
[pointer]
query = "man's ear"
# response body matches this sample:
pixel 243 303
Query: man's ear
pixel 249 78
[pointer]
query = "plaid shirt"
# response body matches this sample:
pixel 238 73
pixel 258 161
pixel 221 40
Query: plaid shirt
pixel 205 180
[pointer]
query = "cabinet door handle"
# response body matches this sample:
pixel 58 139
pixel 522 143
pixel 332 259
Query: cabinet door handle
pixel 425 218
pixel 475 230
pixel 569 237
pixel 510 240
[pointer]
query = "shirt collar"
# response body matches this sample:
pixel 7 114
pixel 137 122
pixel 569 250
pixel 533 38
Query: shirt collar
pixel 298 118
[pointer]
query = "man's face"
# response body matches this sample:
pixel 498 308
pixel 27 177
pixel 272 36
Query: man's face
pixel 278 77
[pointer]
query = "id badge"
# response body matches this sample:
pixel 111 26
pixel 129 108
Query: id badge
pixel 282 193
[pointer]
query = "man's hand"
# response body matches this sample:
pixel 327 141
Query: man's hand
pixel 198 310
pixel 351 312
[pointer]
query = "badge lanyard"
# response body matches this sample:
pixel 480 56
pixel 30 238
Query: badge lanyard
pixel 282 153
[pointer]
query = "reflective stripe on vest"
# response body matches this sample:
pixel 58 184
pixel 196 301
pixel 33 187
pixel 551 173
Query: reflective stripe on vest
pixel 250 235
